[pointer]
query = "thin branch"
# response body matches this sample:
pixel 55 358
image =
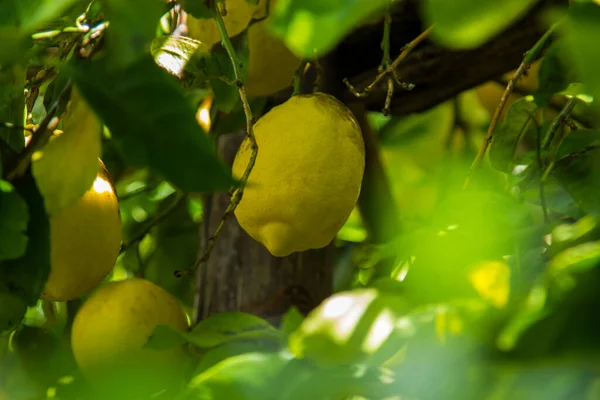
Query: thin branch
pixel 533 54
pixel 41 135
pixel 391 69
pixel 298 77
pixel 239 191
pixel 550 141
pixel 155 221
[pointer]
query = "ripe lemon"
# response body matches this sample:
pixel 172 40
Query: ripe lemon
pixel 110 331
pixel 271 65
pixel 85 239
pixel 307 175
pixel 239 15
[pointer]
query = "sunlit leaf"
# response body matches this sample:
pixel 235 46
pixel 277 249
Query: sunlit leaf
pixel 567 235
pixel 13 222
pixel 466 24
pixel 152 122
pixel 79 144
pixel 576 259
pixel 312 28
pixel 174 52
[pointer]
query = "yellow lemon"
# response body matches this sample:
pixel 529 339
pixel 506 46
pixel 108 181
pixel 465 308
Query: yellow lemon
pixel 307 175
pixel 239 15
pixel 111 329
pixel 271 65
pixel 85 239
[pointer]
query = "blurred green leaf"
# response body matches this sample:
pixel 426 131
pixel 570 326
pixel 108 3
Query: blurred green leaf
pixel 27 275
pixel 578 90
pixel 348 327
pixel 12 105
pixel 248 376
pixel 33 14
pixel 568 235
pixel 312 28
pixel 153 124
pixel 132 29
pixel 14 216
pixel 79 145
pixel 466 24
pixel 582 29
pixel 578 174
pixel 291 320
pixel 576 259
pixel 519 119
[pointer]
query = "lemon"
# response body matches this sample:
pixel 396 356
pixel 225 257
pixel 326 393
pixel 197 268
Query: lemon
pixel 239 15
pixel 85 239
pixel 110 331
pixel 307 175
pixel 271 65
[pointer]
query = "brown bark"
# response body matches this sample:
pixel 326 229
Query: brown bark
pixel 242 275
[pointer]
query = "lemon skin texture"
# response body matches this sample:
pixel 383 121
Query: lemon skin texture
pixel 110 331
pixel 307 175
pixel 85 239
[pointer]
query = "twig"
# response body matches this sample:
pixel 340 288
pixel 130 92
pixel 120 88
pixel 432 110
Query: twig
pixel 392 68
pixel 41 135
pixel 533 54
pixel 298 78
pixel 137 192
pixel 239 191
pixel 156 220
pixel 538 148
pixel 549 139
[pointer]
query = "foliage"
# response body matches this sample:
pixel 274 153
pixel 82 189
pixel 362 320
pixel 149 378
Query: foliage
pixel 489 291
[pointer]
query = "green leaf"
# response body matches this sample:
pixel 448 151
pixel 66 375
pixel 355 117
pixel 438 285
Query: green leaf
pixel 248 376
pixel 577 141
pixel 466 24
pixel 13 223
pixel 216 355
pixel 578 175
pixel 79 145
pixel 312 28
pixel 582 29
pixel 196 8
pixel 554 76
pixel 216 330
pixel 26 276
pixel 568 235
pixel 12 311
pixel 152 122
pixel 519 119
pixel 12 106
pixel 576 259
pixel 132 29
pixel 579 91
pixel 33 14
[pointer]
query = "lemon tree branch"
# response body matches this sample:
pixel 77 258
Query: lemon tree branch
pixel 239 191
pixel 533 54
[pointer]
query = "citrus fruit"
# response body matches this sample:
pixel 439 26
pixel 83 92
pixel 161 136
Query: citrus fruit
pixel 111 329
pixel 85 238
pixel 271 65
pixel 307 176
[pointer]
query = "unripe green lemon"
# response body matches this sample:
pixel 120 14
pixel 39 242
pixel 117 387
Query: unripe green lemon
pixel 85 238
pixel 111 329
pixel 307 176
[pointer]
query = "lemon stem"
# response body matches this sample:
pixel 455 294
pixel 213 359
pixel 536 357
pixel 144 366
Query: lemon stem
pixel 239 191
